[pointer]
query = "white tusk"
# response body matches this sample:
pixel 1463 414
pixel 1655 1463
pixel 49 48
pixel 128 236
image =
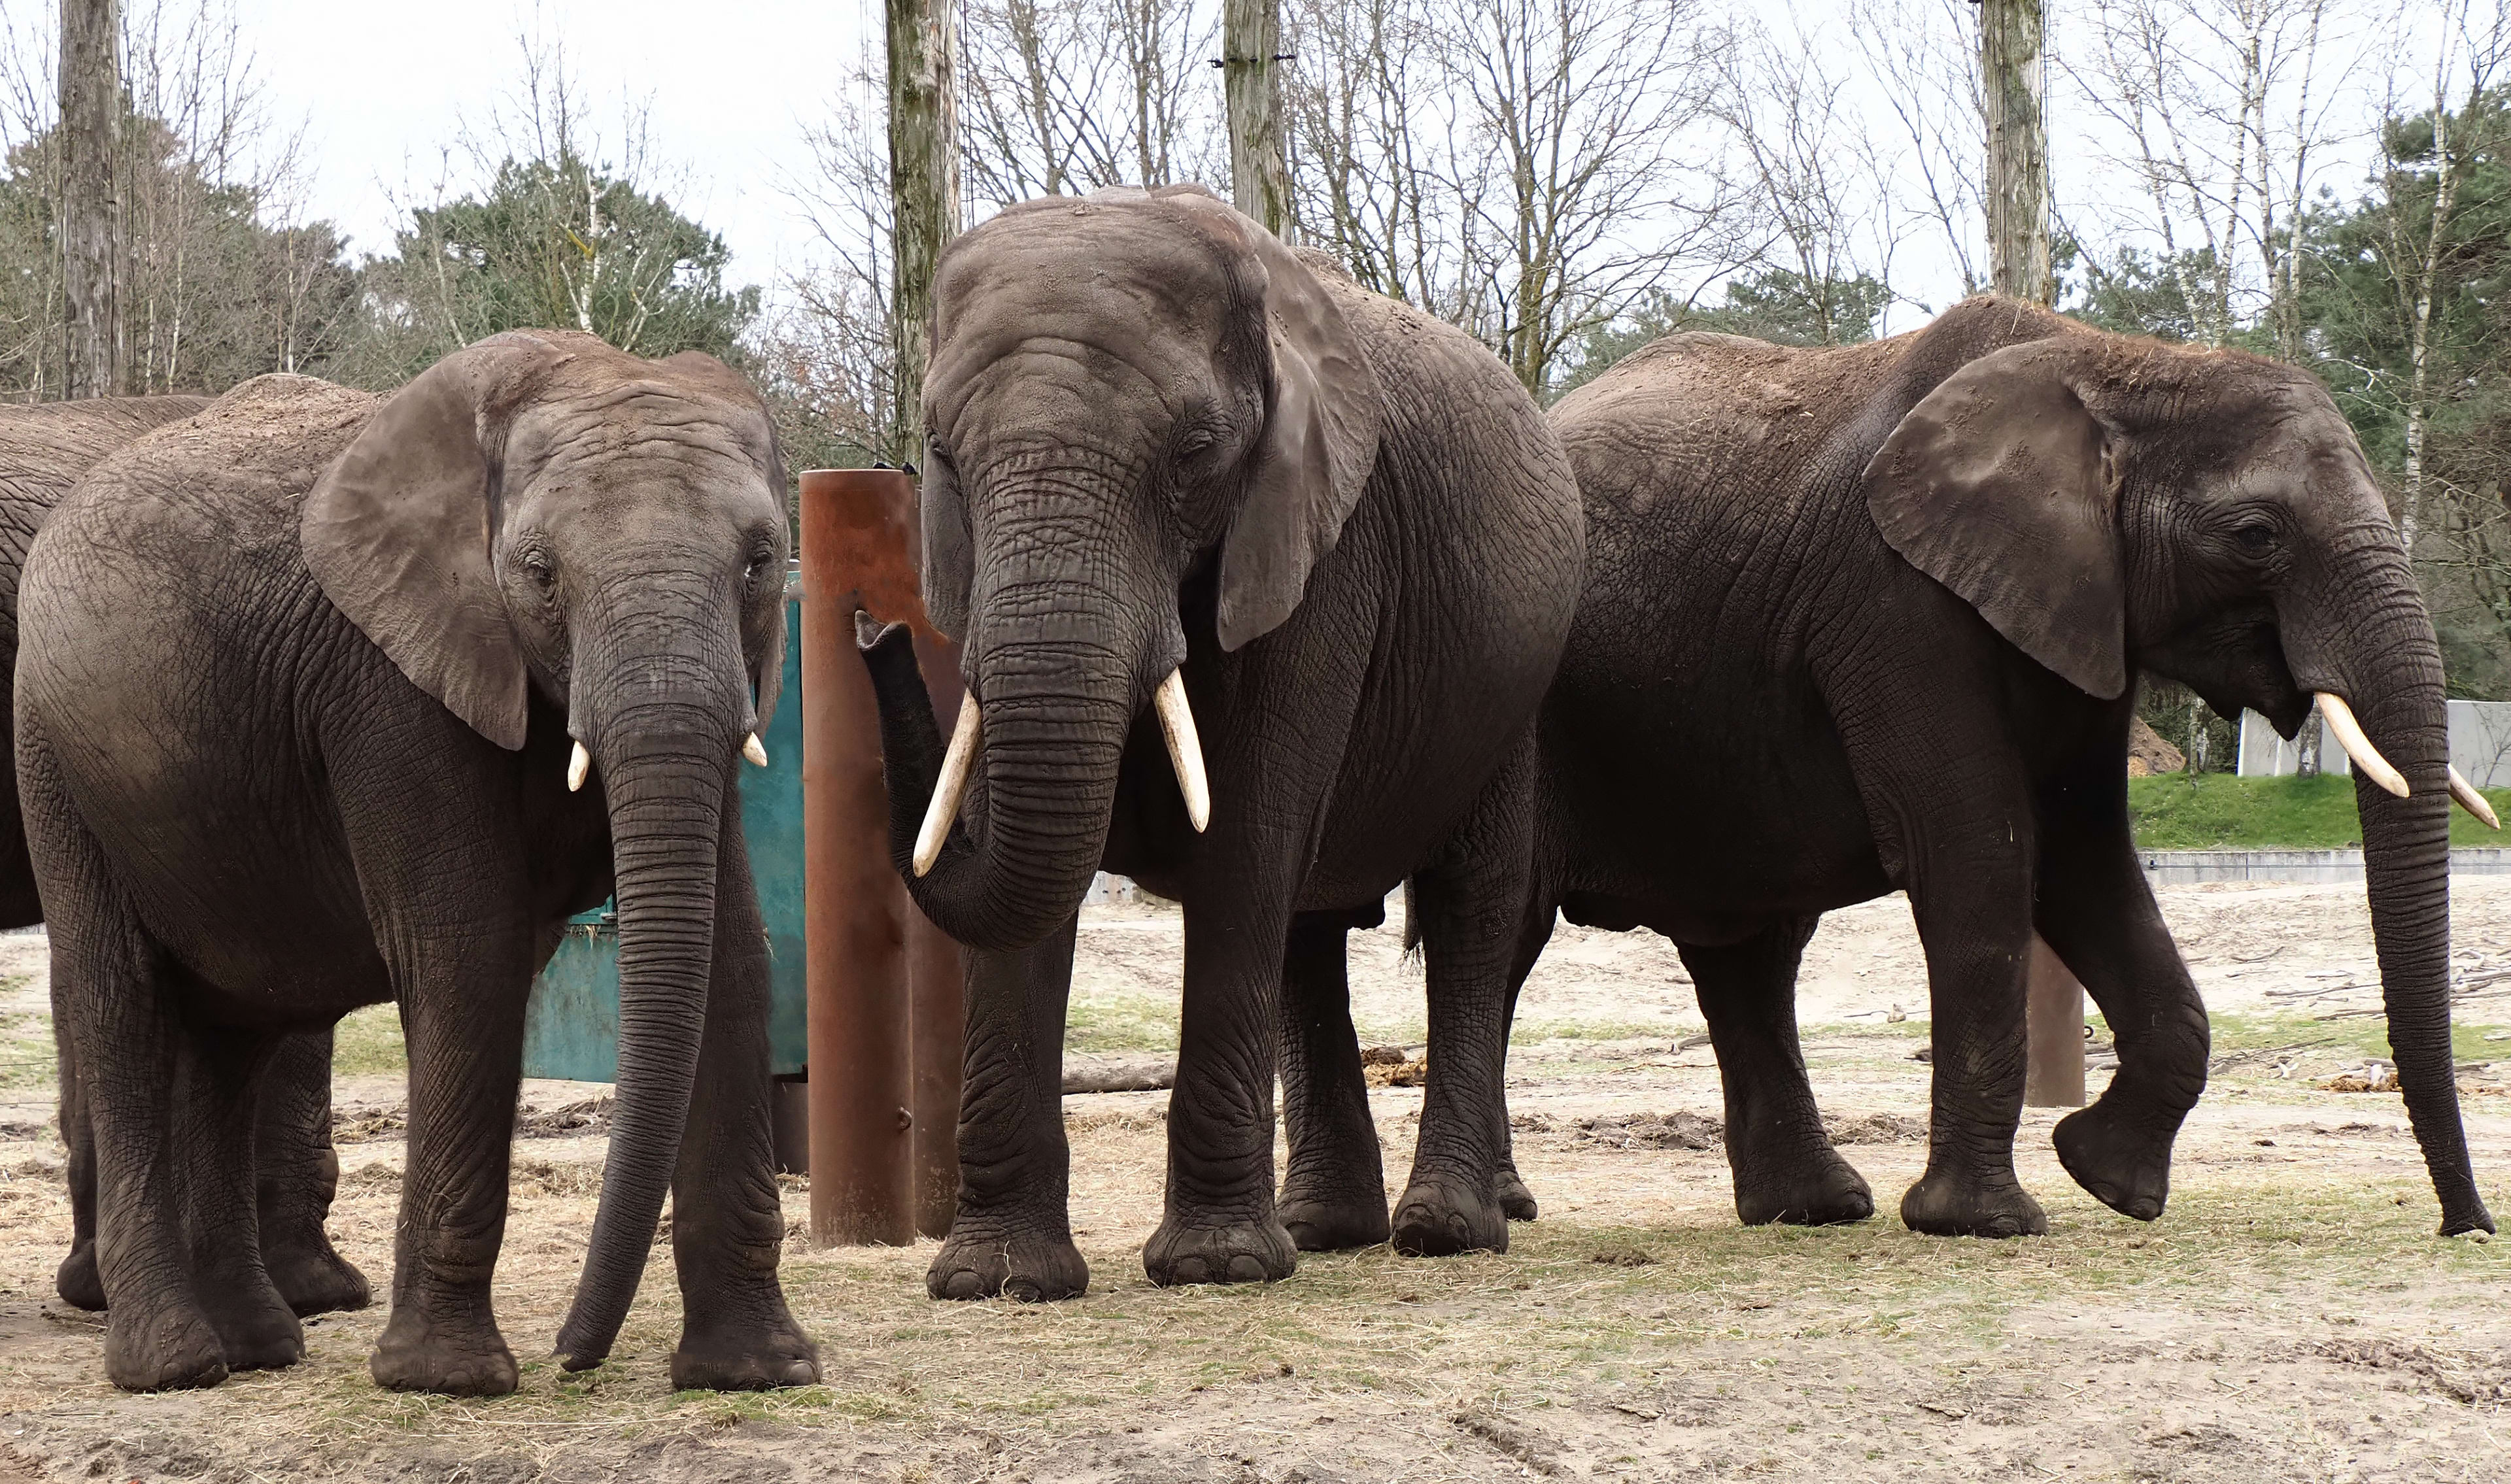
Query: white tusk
pixel 578 764
pixel 2349 735
pixel 755 751
pixel 2472 801
pixel 949 788
pixel 1186 749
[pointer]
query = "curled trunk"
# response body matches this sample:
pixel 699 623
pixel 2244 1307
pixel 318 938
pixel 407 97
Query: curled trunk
pixel 1029 841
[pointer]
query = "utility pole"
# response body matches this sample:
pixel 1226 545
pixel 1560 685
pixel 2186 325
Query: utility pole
pixel 1259 183
pixel 924 196
pixel 2012 75
pixel 91 135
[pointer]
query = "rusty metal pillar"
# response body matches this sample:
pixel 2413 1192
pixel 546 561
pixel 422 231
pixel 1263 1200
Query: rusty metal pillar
pixel 2053 1017
pixel 854 553
pixel 936 982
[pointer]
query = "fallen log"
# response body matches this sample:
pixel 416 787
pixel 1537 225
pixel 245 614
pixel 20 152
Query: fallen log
pixel 1085 1073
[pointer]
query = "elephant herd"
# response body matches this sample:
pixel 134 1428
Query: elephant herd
pixel 1272 593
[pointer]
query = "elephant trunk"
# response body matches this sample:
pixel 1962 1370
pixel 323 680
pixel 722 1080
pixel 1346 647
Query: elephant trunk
pixel 2393 682
pixel 1055 718
pixel 664 743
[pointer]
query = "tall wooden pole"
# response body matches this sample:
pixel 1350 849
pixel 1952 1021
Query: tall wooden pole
pixel 924 190
pixel 91 135
pixel 1259 183
pixel 924 195
pixel 2013 74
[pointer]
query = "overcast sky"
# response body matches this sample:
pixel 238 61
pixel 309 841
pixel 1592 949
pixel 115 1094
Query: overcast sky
pixel 384 90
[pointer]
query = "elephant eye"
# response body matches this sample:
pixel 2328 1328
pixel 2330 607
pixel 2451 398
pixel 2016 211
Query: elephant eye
pixel 2256 537
pixel 1196 442
pixel 536 565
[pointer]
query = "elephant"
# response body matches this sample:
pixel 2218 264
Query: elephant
pixel 310 692
pixel 1868 618
pixel 43 449
pixel 1190 488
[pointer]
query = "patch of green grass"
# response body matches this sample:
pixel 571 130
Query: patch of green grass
pixel 2216 811
pixel 368 1042
pixel 2355 1036
pixel 1121 1024
pixel 1527 1032
pixel 27 1055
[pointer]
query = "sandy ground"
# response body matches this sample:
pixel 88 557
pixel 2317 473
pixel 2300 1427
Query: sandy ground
pixel 2291 1317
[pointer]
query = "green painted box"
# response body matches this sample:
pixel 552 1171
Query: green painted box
pixel 571 1029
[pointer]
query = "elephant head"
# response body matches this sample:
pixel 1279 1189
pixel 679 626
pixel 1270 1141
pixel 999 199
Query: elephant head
pixel 543 512
pixel 1124 389
pixel 2110 503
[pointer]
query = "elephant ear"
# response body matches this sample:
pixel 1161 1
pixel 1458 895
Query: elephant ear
pixel 949 559
pixel 767 681
pixel 1320 443
pixel 1999 486
pixel 397 531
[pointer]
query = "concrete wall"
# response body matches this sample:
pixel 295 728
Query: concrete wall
pixel 2179 867
pixel 2480 745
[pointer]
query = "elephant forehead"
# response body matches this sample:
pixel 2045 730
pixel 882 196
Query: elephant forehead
pixel 1113 289
pixel 646 426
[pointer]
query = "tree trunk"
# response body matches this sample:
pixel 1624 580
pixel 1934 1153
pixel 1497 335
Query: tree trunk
pixel 1251 34
pixel 90 206
pixel 924 189
pixel 2013 74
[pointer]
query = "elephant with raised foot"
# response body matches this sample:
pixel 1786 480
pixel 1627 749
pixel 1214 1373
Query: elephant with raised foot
pixel 45 450
pixel 326 700
pixel 1219 529
pixel 1868 618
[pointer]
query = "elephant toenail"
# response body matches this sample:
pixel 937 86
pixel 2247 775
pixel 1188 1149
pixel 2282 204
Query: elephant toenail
pixel 964 1284
pixel 800 1373
pixel 1192 1269
pixel 1244 1269
pixel 1021 1290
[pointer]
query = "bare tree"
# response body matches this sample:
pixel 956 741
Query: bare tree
pixel 831 350
pixel 1927 69
pixel 2225 111
pixel 1063 97
pixel 1578 110
pixel 90 210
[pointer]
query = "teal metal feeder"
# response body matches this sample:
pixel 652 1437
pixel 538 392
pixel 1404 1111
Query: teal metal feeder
pixel 571 1028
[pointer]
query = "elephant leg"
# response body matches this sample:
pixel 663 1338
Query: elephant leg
pixel 109 998
pixel 216 1085
pixel 1784 1168
pixel 296 1173
pixel 1534 931
pixel 1012 1233
pixel 1334 1194
pixel 1978 943
pixel 2099 915
pixel 1221 1225
pixel 77 1280
pixel 727 1212
pixel 462 1001
pixel 1473 905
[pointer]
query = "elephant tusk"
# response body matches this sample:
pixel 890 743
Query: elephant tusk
pixel 578 764
pixel 755 751
pixel 2349 735
pixel 956 766
pixel 1186 749
pixel 2472 801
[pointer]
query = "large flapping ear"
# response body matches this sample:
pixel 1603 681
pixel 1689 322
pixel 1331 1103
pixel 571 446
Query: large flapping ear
pixel 398 531
pixel 1319 433
pixel 1998 485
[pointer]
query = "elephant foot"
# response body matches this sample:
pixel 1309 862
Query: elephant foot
pixel 2124 1167
pixel 1032 1270
pixel 1516 1202
pixel 442 1353
pixel 1438 1217
pixel 256 1329
pixel 1249 1252
pixel 317 1280
pixel 1821 1192
pixel 1322 1223
pixel 721 1358
pixel 168 1350
pixel 78 1282
pixel 1948 1205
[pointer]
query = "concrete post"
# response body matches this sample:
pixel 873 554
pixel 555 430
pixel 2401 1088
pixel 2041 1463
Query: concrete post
pixel 936 983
